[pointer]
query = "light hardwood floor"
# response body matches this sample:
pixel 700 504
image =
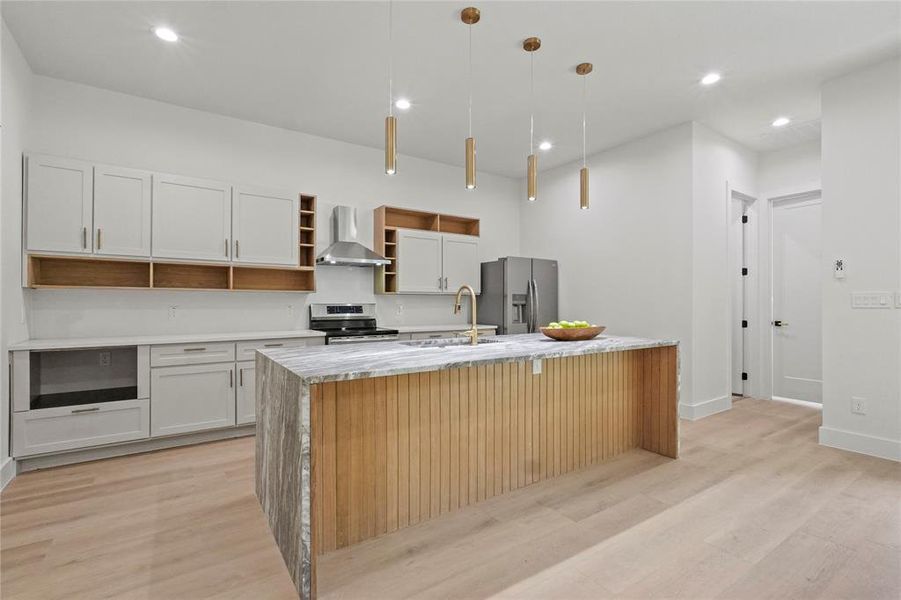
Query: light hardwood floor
pixel 754 508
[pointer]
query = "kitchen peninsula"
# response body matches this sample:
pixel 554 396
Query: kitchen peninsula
pixel 354 442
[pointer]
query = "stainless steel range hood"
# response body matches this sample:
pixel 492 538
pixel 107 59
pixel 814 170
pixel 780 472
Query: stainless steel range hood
pixel 345 249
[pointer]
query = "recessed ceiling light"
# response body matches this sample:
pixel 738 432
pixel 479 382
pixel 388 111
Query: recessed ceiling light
pixel 710 78
pixel 402 103
pixel 166 34
pixel 781 122
pixel 545 145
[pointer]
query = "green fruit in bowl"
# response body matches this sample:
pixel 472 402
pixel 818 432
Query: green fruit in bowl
pixel 581 323
pixel 566 325
pixel 554 325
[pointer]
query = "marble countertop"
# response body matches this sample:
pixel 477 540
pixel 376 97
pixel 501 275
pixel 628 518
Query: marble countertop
pixel 428 328
pixel 357 361
pixel 149 340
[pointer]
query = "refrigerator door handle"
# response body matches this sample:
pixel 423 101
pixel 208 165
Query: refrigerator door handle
pixel 535 306
pixel 530 307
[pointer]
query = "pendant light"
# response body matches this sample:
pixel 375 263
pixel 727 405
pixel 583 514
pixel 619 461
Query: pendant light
pixel 390 120
pixel 470 16
pixel 530 45
pixel 584 69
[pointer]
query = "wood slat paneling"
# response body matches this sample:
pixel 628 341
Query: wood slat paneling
pixel 390 452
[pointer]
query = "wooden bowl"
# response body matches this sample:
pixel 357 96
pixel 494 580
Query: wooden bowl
pixel 575 334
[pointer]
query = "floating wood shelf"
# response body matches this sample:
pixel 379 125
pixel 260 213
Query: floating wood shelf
pixel 388 219
pixel 52 271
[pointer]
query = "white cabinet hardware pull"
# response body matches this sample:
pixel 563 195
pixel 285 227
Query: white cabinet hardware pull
pixel 272 345
pixel 98 238
pixel 194 349
pixel 85 410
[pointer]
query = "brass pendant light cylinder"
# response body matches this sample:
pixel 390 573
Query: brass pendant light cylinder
pixel 532 178
pixel 470 163
pixel 583 188
pixel 390 145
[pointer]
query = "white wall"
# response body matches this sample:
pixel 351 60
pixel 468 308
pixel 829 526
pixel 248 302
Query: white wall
pixel 626 262
pixel 861 147
pixel 84 122
pixel 718 165
pixel 15 93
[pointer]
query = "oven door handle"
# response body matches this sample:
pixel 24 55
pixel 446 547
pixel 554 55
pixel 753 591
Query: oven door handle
pixel 362 339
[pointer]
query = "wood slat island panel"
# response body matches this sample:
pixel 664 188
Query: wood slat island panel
pixel 390 452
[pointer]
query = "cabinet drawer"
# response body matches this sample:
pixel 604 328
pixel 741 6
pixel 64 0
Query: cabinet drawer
pixel 72 427
pixel 191 354
pixel 247 350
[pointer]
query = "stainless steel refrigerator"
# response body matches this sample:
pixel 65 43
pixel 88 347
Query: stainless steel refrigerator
pixel 519 295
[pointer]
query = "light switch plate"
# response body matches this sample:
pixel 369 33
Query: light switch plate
pixel 871 299
pixel 897 299
pixel 858 405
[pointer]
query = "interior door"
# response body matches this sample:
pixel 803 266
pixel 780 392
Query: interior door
pixel 191 218
pixel 796 327
pixel 518 295
pixel 737 260
pixel 265 227
pixel 461 262
pixel 419 261
pixel 58 199
pixel 121 212
pixel 544 284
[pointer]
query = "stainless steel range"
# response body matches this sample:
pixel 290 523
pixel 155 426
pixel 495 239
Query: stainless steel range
pixel 349 323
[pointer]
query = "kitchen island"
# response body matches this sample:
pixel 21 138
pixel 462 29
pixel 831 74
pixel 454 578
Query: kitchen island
pixel 358 441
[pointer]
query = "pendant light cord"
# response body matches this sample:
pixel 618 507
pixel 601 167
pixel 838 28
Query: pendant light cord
pixel 532 102
pixel 584 110
pixel 470 80
pixel 390 59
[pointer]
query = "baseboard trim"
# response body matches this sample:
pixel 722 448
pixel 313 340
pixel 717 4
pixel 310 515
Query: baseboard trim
pixel 7 472
pixel 693 412
pixel 860 443
pixel 78 456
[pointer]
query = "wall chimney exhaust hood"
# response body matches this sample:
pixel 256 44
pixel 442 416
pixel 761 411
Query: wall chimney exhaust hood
pixel 345 249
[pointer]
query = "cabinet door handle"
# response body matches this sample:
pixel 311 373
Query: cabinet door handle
pixel 84 238
pixel 231 378
pixel 194 349
pixel 85 410
pixel 99 238
pixel 237 249
pixel 445 283
pixel 241 377
pixel 226 246
pixel 440 283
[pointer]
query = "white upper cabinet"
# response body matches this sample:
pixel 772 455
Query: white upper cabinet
pixel 58 205
pixel 121 211
pixel 191 219
pixel 419 261
pixel 265 226
pixel 461 262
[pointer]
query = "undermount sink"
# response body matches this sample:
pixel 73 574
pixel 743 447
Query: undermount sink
pixel 445 342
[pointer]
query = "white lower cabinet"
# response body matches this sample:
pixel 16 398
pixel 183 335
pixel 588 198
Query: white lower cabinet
pixel 192 398
pixel 245 402
pixel 82 426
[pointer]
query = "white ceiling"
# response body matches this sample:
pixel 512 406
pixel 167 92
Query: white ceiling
pixel 320 67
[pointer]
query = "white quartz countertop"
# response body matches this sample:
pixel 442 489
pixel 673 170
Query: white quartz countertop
pixel 357 361
pixel 428 328
pixel 149 340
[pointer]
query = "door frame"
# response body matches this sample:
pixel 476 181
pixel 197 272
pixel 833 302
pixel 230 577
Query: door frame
pixel 811 194
pixel 752 358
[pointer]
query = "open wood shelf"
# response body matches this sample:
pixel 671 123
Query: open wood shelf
pixel 64 272
pixel 308 233
pixel 191 276
pixel 388 219
pixel 263 279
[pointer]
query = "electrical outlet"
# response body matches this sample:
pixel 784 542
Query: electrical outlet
pixel 839 268
pixel 858 405
pixel 106 359
pixel 290 311
pixel 172 310
pixel 399 310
